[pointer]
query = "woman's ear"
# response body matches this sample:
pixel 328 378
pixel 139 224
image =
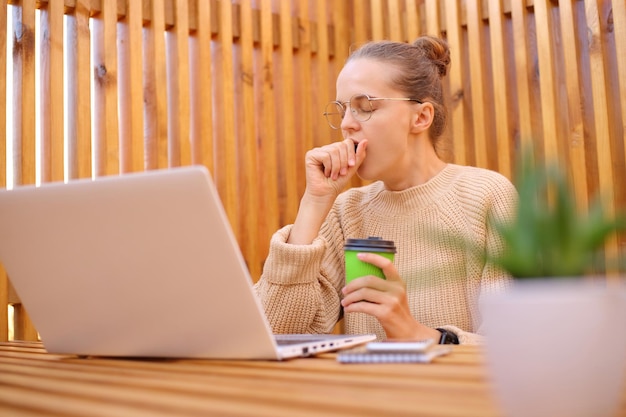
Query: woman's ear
pixel 423 117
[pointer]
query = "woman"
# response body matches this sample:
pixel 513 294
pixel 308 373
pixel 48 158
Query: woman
pixel 390 109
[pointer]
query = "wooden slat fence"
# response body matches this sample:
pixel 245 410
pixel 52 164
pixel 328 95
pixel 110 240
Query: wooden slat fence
pixel 90 88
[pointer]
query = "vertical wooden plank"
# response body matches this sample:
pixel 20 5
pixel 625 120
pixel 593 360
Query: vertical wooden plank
pixel 619 20
pixel 177 113
pixel 3 99
pixel 131 89
pixel 455 77
pixel 360 19
pixel 124 88
pixel 173 93
pixel 377 14
pixel 179 118
pixel 394 21
pixel 326 83
pixel 576 132
pixel 267 152
pixel 155 81
pixel 43 87
pixel 57 77
pixel 51 104
pixel 202 135
pixel 287 111
pixel 477 71
pixel 222 45
pixel 341 44
pixel 24 110
pixel 24 130
pixel 4 289
pixel 99 101
pixel 309 115
pixel 106 134
pixel 24 329
pixel 618 10
pixel 500 84
pixel 522 69
pixel 600 110
pixel 250 193
pixel 99 108
pixel 433 27
pixel 71 80
pixel 226 147
pixel 109 82
pixel 81 115
pixel 412 20
pixel 547 80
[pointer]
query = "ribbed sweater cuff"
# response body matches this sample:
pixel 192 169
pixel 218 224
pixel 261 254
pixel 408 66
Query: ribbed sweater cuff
pixel 293 264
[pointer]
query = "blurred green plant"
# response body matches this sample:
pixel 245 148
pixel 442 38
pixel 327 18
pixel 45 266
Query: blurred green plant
pixel 549 236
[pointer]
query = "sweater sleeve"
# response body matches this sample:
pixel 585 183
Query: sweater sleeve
pixel 294 290
pixel 502 202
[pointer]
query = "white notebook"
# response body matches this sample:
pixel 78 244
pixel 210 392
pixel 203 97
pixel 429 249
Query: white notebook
pixel 138 265
pixel 361 354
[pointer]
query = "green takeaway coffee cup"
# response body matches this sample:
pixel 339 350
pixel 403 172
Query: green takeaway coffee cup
pixel 355 268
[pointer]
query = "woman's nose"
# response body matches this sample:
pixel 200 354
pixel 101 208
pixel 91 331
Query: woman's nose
pixel 349 121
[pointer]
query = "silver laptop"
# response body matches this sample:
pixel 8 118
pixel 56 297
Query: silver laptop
pixel 139 265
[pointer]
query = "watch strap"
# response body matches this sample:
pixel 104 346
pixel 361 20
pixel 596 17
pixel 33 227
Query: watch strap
pixel 447 337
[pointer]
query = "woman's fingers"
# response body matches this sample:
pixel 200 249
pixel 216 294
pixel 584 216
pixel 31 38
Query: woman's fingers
pixel 335 159
pixel 372 289
pixel 330 167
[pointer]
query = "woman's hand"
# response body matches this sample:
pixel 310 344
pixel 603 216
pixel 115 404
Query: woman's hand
pixel 386 300
pixel 330 167
pixel 328 170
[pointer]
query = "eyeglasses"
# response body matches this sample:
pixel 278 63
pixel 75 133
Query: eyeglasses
pixel 360 107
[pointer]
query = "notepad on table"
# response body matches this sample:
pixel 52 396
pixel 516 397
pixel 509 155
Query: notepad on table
pixel 385 352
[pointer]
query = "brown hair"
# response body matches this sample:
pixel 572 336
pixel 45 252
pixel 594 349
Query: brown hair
pixel 421 66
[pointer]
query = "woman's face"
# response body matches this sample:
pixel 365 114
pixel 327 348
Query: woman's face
pixel 388 128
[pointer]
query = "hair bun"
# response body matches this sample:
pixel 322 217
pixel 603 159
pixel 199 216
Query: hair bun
pixel 436 50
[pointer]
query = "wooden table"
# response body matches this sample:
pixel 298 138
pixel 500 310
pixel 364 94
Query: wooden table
pixel 35 383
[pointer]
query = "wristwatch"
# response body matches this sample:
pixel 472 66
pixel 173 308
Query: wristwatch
pixel 447 337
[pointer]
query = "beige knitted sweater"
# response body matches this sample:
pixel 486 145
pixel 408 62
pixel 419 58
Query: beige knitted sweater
pixel 300 288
